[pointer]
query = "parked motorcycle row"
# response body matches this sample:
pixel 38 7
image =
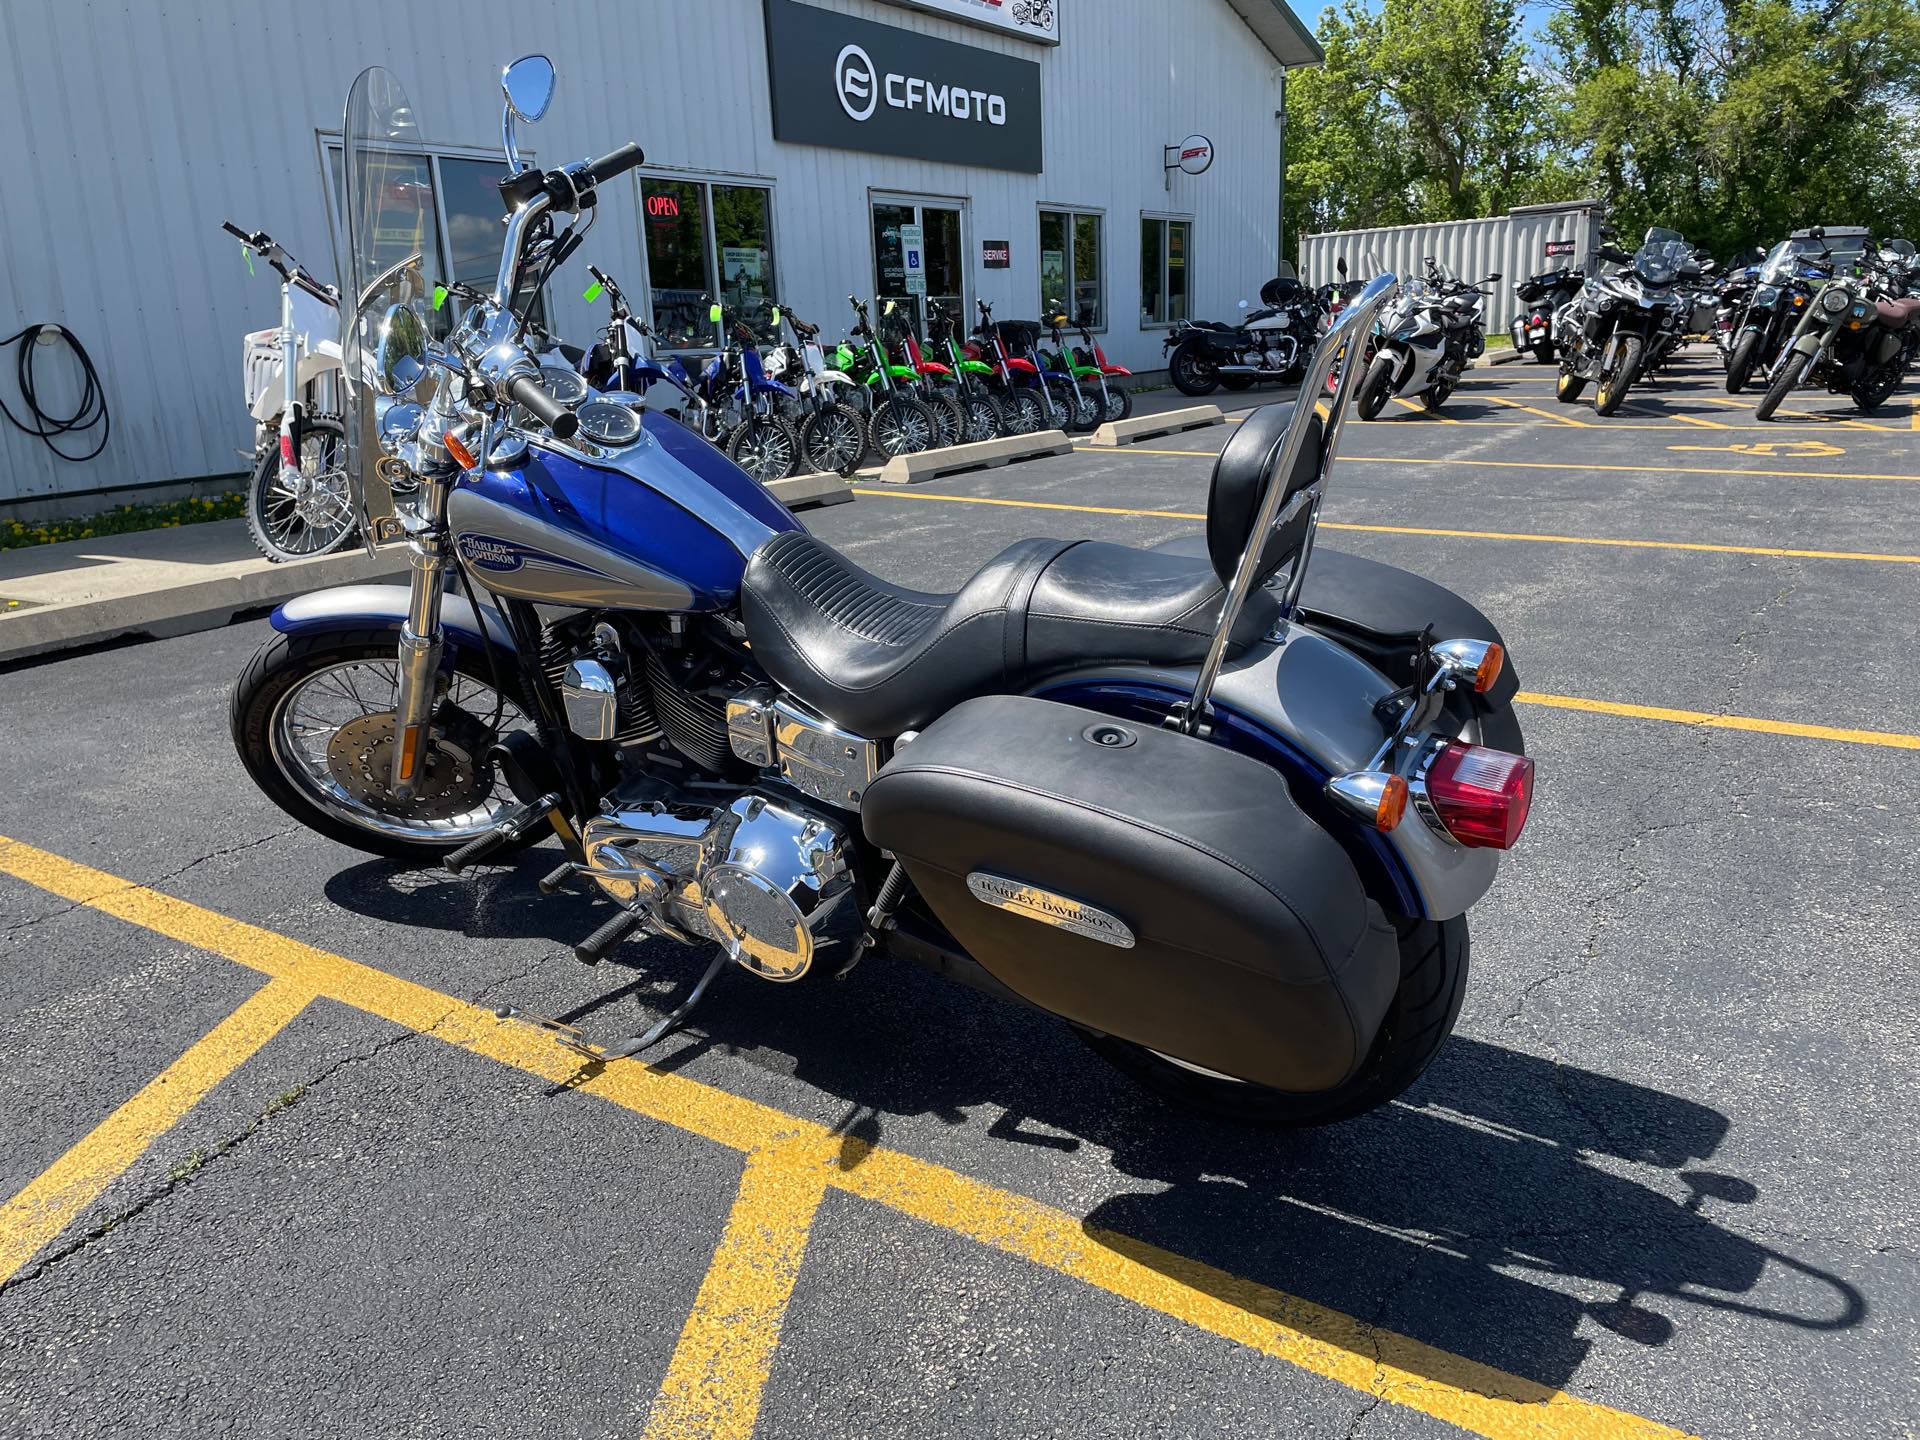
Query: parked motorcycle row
pixel 1220 806
pixel 1827 306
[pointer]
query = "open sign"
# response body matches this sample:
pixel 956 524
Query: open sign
pixel 663 207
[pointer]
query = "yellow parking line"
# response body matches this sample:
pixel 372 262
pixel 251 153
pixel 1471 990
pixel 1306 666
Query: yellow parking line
pixel 1543 414
pixel 53 1200
pixel 1914 400
pixel 1426 414
pixel 1777 551
pixel 1325 1342
pixel 1893 740
pixel 1684 419
pixel 1563 465
pixel 1799 414
pixel 720 1366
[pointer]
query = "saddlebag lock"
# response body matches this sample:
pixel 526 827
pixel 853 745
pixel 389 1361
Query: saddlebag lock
pixel 1165 890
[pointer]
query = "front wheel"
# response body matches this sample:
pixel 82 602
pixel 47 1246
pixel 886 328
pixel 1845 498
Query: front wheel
pixel 1746 353
pixel 1611 393
pixel 901 425
pixel 1785 376
pixel 949 418
pixel 1433 978
pixel 1568 387
pixel 1375 389
pixel 1021 413
pixel 984 420
pixel 294 513
pixel 312 717
pixel 1119 405
pixel 834 439
pixel 1082 411
pixel 1192 372
pixel 765 447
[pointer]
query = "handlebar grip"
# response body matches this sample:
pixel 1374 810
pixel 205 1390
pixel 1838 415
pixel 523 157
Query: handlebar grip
pixel 526 391
pixel 235 231
pixel 617 163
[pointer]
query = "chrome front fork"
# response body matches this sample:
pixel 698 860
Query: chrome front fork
pixel 290 380
pixel 421 636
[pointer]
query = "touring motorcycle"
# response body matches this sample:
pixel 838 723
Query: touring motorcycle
pixel 1221 806
pixel 1627 316
pixel 1789 280
pixel 1858 337
pixel 1540 297
pixel 1269 344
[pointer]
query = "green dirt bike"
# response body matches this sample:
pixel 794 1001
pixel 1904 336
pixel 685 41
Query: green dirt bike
pixel 899 422
pixel 1092 372
pixel 972 378
pixel 1085 403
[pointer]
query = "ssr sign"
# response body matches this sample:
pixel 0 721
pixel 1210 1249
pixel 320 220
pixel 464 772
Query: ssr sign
pixel 859 85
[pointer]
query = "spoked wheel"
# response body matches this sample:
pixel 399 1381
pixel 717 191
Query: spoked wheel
pixel 313 720
pixel 949 418
pixel 1021 413
pixel 834 438
pixel 1119 404
pixel 983 416
pixel 765 447
pixel 1433 978
pixel 308 511
pixel 901 425
pixel 1081 411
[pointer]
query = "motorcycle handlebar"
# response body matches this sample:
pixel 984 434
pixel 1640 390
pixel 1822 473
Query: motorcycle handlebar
pixel 525 391
pixel 615 163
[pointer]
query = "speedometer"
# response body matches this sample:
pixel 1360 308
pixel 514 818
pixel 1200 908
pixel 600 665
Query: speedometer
pixel 565 386
pixel 606 422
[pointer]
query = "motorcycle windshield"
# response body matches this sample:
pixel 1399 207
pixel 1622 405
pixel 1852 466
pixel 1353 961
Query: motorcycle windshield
pixel 390 247
pixel 1657 262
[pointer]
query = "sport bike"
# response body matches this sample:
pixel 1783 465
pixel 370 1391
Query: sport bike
pixel 1424 340
pixel 1220 806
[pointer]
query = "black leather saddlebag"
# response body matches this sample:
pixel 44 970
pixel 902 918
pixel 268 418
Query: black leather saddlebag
pixel 1141 883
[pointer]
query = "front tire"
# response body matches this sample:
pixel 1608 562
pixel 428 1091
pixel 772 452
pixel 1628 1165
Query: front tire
pixel 327 779
pixel 1433 979
pixel 984 420
pixel 765 447
pixel 313 513
pixel 1119 405
pixel 1611 393
pixel 834 439
pixel 1375 389
pixel 1568 387
pixel 1746 353
pixel 1786 376
pixel 901 425
pixel 1021 413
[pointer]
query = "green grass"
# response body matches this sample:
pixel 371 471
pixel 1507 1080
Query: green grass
pixel 121 521
pixel 1501 341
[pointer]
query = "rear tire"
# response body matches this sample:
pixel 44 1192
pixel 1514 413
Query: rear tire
pixel 1192 372
pixel 1543 352
pixel 1236 383
pixel 1611 393
pixel 1375 389
pixel 1746 352
pixel 949 418
pixel 1786 376
pixel 1433 979
pixel 1871 394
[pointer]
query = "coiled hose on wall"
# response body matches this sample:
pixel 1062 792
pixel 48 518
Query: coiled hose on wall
pixel 91 412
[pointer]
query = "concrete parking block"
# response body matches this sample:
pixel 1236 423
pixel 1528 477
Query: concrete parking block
pixel 982 455
pixel 816 487
pixel 1156 427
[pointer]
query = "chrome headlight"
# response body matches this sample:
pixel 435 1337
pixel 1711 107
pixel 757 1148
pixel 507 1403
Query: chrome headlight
pixel 1834 300
pixel 1766 294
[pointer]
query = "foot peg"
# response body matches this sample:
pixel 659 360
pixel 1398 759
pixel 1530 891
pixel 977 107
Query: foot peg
pixel 513 828
pixel 604 941
pixel 558 880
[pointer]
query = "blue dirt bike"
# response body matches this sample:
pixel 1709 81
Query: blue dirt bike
pixel 1221 806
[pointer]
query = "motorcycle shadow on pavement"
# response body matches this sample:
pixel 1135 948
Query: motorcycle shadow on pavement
pixel 1489 1213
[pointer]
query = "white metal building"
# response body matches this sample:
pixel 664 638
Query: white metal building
pixel 1024 136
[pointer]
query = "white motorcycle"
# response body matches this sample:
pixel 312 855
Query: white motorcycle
pixel 1425 338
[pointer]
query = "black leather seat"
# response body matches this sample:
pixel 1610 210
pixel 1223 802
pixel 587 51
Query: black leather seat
pixel 879 658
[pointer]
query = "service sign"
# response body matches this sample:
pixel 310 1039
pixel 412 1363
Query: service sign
pixel 1029 19
pixel 858 85
pixel 996 254
pixel 1559 247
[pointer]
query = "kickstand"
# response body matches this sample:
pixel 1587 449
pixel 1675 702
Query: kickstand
pixel 671 1021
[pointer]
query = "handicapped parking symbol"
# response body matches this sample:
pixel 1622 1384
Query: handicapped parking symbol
pixel 1774 449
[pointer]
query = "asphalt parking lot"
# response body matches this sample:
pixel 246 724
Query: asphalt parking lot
pixel 277 1169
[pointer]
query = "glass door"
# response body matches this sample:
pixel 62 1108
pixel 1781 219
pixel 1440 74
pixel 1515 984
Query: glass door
pixel 942 257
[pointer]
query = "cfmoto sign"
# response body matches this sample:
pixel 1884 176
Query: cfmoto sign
pixel 858 85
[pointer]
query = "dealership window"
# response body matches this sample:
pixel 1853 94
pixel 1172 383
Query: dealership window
pixel 704 239
pixel 1070 265
pixel 461 225
pixel 1165 279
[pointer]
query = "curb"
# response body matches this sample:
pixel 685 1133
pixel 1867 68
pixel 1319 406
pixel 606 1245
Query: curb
pixel 931 464
pixel 1153 427
pixel 190 606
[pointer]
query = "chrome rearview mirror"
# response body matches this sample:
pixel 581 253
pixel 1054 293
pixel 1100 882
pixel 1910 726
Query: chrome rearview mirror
pixel 401 357
pixel 528 86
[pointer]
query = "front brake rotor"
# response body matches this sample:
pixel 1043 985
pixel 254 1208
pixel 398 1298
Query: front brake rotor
pixel 455 780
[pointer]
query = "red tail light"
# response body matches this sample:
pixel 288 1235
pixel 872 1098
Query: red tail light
pixel 1481 795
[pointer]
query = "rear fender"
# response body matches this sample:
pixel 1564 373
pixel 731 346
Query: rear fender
pixel 384 607
pixel 1304 705
pixel 1115 370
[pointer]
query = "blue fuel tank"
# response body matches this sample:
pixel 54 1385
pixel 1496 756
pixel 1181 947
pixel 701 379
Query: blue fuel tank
pixel 666 523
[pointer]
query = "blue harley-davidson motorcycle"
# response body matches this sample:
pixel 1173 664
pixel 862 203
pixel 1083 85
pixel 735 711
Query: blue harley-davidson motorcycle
pixel 1222 805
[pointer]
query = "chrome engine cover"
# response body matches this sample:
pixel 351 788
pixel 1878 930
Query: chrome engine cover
pixel 749 877
pixel 815 756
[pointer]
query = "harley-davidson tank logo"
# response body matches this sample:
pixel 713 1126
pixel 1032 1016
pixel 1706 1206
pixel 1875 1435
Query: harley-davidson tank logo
pixel 1060 911
pixel 490 554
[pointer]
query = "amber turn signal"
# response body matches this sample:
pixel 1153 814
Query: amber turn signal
pixel 1376 798
pixel 460 453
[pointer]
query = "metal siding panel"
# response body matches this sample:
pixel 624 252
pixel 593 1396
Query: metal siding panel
pixel 139 128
